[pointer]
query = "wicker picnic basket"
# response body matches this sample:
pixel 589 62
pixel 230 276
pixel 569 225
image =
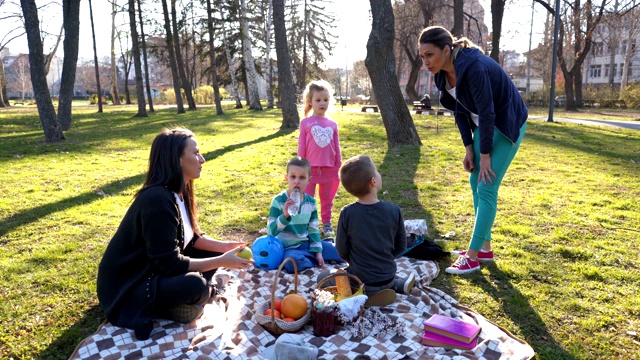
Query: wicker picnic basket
pixel 334 290
pixel 270 322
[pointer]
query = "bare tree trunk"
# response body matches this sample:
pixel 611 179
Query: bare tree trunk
pixel 249 64
pixel 267 57
pixel 50 125
pixel 458 18
pixel 186 85
pixel 49 57
pixel 627 62
pixel 214 66
pixel 305 31
pixel 497 12
pixel 135 49
pixel 127 69
pixel 95 59
pixel 232 73
pixel 172 58
pixel 380 63
pixel 71 21
pixel 613 46
pixel 144 58
pixel 115 97
pixel 4 101
pixel 286 91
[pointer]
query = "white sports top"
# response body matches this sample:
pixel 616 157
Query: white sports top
pixel 186 222
pixel 452 90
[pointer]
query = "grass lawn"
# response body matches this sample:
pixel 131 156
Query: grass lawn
pixel 566 278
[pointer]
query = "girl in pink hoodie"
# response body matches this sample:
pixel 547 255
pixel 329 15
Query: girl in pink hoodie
pixel 320 145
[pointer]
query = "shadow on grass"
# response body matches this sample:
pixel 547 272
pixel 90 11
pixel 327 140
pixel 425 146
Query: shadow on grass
pixel 28 216
pixel 70 338
pixel 399 167
pixel 216 153
pixel 605 142
pixel 516 306
pixel 33 214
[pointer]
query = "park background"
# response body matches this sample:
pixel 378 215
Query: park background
pixel 567 275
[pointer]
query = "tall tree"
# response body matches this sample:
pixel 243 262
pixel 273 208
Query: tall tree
pixel 95 59
pixel 583 23
pixel 249 65
pixel 408 15
pixel 268 72
pixel 380 63
pixel 4 100
pixel 135 50
pixel 458 18
pixel 126 65
pixel 144 58
pixel 234 81
pixel 48 58
pixel 631 22
pixel 286 92
pixel 172 57
pixel 115 97
pixel 50 125
pixel 212 57
pixel 313 38
pixel 184 81
pixel 71 23
pixel 497 13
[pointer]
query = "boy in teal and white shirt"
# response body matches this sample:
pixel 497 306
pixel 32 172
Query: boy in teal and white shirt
pixel 298 232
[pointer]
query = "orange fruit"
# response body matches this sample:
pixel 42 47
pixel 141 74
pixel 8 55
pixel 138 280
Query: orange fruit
pixel 294 306
pixel 276 313
pixel 288 319
pixel 277 304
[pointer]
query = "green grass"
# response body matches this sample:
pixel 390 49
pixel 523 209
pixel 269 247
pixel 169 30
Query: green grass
pixel 566 236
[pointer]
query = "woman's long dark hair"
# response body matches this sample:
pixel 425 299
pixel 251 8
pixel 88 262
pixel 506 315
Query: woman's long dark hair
pixel 165 169
pixel 441 37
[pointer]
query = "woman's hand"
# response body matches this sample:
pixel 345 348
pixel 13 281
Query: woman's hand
pixel 467 162
pixel 225 246
pixel 485 169
pixel 320 260
pixel 231 260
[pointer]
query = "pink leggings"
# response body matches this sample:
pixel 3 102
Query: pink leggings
pixel 328 182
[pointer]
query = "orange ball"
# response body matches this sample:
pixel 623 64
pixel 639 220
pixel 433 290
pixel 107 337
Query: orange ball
pixel 294 306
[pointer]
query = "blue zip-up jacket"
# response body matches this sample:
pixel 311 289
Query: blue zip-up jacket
pixel 483 88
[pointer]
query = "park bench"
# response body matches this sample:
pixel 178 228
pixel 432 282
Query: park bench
pixel 372 107
pixel 419 107
pixel 439 112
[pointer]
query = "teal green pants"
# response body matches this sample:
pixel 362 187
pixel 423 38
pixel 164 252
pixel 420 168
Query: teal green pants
pixel 485 196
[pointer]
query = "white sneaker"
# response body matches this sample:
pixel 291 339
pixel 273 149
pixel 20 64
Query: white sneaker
pixel 409 283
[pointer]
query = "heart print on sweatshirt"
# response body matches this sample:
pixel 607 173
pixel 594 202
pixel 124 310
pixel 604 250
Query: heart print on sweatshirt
pixel 322 136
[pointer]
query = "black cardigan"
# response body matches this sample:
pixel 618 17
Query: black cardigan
pixel 145 246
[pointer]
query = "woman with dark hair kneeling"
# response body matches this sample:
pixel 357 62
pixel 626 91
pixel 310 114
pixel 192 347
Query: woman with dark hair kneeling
pixel 159 264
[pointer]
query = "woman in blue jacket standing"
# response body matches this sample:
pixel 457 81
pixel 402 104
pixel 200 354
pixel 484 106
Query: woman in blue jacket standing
pixel 491 117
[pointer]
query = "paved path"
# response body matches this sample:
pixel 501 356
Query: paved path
pixel 612 123
pixel 635 125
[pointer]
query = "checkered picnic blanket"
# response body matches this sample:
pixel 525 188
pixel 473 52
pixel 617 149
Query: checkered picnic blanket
pixel 228 328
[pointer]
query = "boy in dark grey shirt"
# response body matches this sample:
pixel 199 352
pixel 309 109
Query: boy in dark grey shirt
pixel 370 234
